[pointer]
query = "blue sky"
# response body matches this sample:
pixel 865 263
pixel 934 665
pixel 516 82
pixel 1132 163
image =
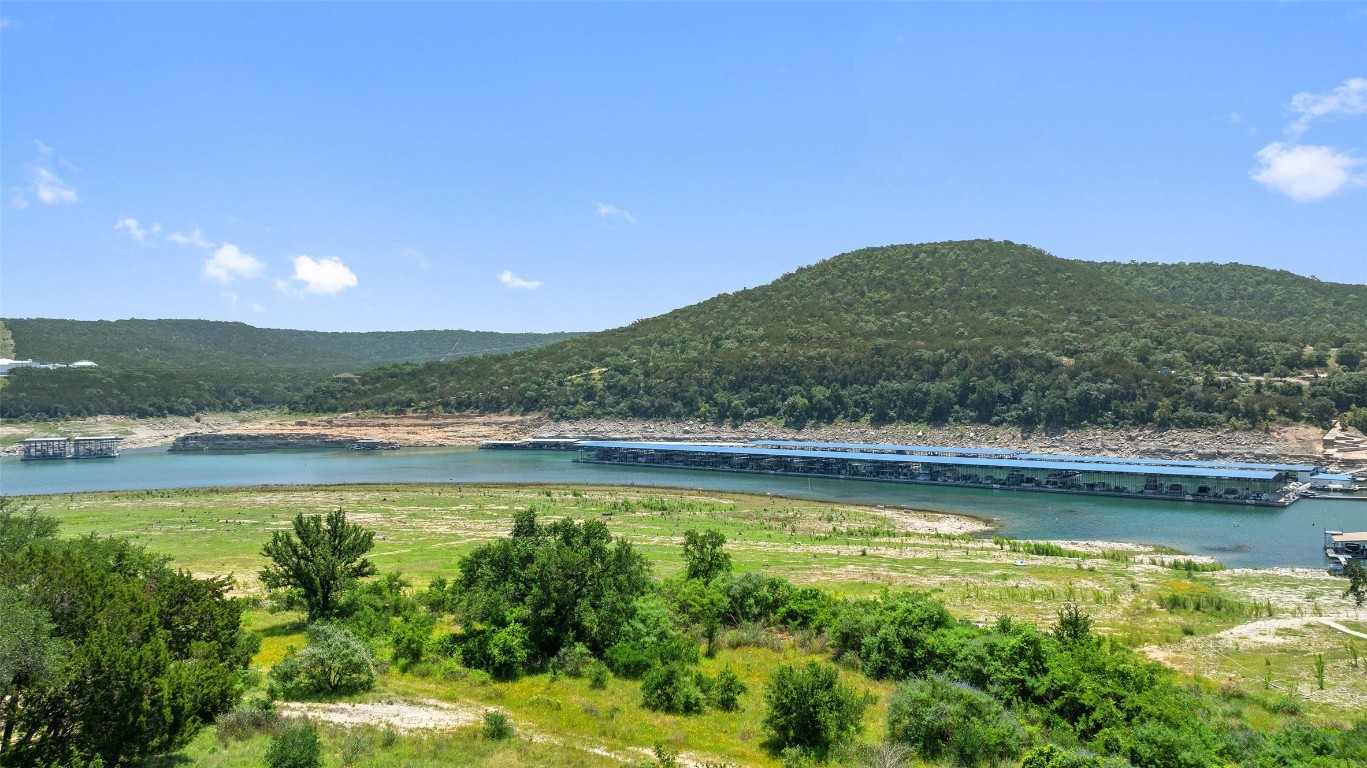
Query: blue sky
pixel 578 166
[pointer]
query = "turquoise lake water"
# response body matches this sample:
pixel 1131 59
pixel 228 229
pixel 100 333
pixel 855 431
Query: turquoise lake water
pixel 1236 535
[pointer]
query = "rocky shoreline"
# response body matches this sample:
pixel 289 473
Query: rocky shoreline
pixel 1296 443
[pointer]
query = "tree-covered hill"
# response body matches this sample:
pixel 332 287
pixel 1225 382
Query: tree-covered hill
pixel 975 331
pixel 1329 313
pixel 150 367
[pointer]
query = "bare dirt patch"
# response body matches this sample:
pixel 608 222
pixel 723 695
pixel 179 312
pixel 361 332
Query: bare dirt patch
pixel 403 716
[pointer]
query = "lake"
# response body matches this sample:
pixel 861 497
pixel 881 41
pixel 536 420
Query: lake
pixel 1238 536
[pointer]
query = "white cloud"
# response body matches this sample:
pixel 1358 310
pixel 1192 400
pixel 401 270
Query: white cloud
pixel 607 211
pixel 42 148
pixel 229 264
pixel 195 238
pixel 1350 98
pixel 50 189
pixel 325 276
pixel 1305 172
pixel 513 281
pixel 139 233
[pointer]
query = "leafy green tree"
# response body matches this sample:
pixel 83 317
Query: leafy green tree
pixel 318 560
pixel 149 654
pixel 943 719
pixel 566 582
pixel 809 707
pixel 704 555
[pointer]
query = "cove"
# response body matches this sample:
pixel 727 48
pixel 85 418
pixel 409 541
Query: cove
pixel 1236 535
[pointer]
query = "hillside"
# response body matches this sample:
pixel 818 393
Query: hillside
pixel 1332 313
pixel 153 367
pixel 975 331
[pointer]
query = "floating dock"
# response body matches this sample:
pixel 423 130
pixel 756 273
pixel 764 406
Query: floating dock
pixel 44 448
pixel 1224 482
pixel 532 444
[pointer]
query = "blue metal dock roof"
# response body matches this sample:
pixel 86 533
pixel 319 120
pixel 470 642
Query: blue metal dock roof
pixel 886 447
pixel 1170 462
pixel 987 462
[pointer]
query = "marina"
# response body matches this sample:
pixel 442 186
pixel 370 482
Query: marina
pixel 1236 535
pixel 1250 484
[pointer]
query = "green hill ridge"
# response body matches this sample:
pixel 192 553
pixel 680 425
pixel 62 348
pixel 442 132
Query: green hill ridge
pixel 152 367
pixel 974 331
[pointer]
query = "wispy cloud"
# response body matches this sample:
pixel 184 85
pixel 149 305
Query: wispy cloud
pixel 194 238
pixel 135 231
pixel 1350 98
pixel 609 211
pixel 324 276
pixel 1304 172
pixel 228 265
pixel 513 281
pixel 44 183
pixel 49 187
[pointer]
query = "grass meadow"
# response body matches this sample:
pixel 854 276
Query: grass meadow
pixel 1252 635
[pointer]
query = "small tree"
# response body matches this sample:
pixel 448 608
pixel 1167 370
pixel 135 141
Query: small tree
pixel 809 707
pixel 704 557
pixel 1357 583
pixel 1074 625
pixel 319 559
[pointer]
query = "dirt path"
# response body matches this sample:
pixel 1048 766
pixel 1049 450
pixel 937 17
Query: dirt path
pixel 1343 629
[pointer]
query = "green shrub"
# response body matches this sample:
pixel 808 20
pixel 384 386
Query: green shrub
pixel 809 707
pixel 334 662
pixel 296 747
pixel 1051 756
pixel 727 690
pixel 574 659
pixel 947 720
pixel 673 690
pixel 633 659
pixel 496 726
pixel 502 652
pixel 598 676
pixel 356 744
pixel 411 635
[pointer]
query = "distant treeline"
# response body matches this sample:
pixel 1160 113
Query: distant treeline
pixel 981 331
pixel 159 367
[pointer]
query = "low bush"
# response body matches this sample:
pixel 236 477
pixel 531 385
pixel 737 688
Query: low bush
pixel 296 747
pixel 672 689
pixel 955 721
pixel 727 690
pixel 335 662
pixel 598 676
pixel 809 707
pixel 244 723
pixel 496 726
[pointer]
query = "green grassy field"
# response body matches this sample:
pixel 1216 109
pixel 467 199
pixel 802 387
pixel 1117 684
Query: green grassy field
pixel 1251 634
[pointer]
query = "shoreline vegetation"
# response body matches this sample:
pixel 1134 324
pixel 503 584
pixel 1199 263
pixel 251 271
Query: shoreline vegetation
pixel 1248 638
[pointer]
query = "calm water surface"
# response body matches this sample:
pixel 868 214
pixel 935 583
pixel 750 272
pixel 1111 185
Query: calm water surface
pixel 1238 536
